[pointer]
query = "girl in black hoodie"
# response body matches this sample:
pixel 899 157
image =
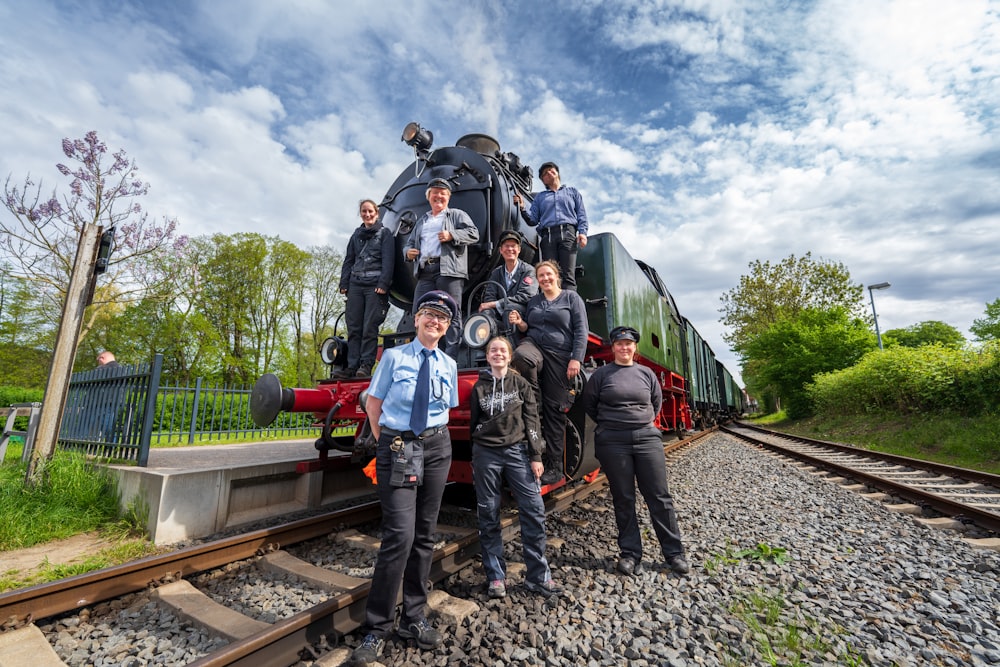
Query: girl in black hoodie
pixel 507 444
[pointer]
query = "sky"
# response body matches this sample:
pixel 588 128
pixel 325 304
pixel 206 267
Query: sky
pixel 705 134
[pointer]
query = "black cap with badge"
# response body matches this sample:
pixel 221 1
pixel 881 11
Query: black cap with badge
pixel 438 301
pixel 440 183
pixel 624 333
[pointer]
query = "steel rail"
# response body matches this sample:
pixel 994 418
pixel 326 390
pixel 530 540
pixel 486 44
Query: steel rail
pixel 44 600
pixel 940 468
pixel 958 510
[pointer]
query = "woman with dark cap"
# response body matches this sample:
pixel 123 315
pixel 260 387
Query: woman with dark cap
pixel 413 388
pixel 624 398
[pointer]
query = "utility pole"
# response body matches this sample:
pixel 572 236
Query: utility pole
pixel 78 297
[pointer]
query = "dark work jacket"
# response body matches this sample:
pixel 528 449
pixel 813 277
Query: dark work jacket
pixel 524 286
pixel 505 412
pixel 370 258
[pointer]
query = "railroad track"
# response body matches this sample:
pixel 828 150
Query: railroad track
pixel 966 496
pixel 249 641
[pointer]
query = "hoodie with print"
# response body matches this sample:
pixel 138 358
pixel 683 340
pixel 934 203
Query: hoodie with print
pixel 504 411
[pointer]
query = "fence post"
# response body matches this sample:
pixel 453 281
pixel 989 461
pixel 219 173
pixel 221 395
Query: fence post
pixel 150 410
pixel 194 410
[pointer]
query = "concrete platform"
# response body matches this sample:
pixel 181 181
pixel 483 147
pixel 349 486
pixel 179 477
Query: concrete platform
pixel 192 492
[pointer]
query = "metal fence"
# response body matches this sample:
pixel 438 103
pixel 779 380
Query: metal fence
pixel 117 413
pixel 109 411
pixel 199 414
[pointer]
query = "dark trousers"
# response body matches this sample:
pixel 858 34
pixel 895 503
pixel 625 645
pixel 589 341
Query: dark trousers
pixel 428 279
pixel 628 458
pixel 366 311
pixel 547 374
pixel 559 243
pixel 490 465
pixel 409 517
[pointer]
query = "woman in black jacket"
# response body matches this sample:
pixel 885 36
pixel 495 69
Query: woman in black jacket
pixel 506 442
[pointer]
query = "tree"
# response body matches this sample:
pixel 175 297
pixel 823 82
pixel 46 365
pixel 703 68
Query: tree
pixel 41 239
pixel 791 351
pixel 926 333
pixel 774 292
pixel 988 328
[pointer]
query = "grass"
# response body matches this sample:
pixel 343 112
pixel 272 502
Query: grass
pixel 74 497
pixel 122 552
pixel 966 442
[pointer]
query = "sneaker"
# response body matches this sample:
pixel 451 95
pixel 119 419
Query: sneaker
pixel 546 588
pixel 422 631
pixel 678 564
pixel 551 476
pixel 344 373
pixel 627 566
pixel 363 372
pixel 369 650
pixel 498 588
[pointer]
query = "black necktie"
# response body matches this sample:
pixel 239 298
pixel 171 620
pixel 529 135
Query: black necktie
pixel 421 395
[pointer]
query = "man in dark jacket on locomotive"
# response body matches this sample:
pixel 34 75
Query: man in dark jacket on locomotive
pixel 437 246
pixel 516 276
pixel 561 218
pixel 365 278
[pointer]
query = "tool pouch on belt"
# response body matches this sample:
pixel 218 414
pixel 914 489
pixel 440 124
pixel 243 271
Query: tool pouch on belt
pixel 407 458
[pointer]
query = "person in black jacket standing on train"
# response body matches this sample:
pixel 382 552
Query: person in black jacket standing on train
pixel 365 278
pixel 624 398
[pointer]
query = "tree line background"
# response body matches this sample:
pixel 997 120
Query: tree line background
pixel 228 308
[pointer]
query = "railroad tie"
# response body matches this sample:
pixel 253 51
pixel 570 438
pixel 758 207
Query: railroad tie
pixel 28 646
pixel 191 604
pixel 282 562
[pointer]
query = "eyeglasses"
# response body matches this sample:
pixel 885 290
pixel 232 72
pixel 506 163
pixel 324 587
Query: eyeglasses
pixel 437 317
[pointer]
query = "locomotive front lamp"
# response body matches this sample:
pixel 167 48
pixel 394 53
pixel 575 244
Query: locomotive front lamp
pixel 871 295
pixel 417 137
pixel 332 349
pixel 478 330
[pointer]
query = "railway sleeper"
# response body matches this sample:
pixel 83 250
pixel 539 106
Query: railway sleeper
pixel 192 605
pixel 28 646
pixel 282 562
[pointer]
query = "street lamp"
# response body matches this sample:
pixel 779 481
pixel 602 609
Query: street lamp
pixel 871 295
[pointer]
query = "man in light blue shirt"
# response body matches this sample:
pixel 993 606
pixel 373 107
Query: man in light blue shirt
pixel 413 388
pixel 561 218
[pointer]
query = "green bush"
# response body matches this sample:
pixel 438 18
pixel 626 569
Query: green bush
pixel 931 378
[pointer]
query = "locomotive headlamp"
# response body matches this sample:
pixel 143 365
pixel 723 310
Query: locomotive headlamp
pixel 478 330
pixel 417 137
pixel 332 350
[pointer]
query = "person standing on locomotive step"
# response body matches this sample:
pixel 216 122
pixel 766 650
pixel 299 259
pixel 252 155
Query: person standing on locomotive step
pixel 623 398
pixel 437 248
pixel 365 278
pixel 413 388
pixel 561 218
pixel 517 277
pixel 550 357
pixel 503 423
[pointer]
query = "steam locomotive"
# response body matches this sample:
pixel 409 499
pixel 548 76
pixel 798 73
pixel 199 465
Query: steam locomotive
pixel 617 289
